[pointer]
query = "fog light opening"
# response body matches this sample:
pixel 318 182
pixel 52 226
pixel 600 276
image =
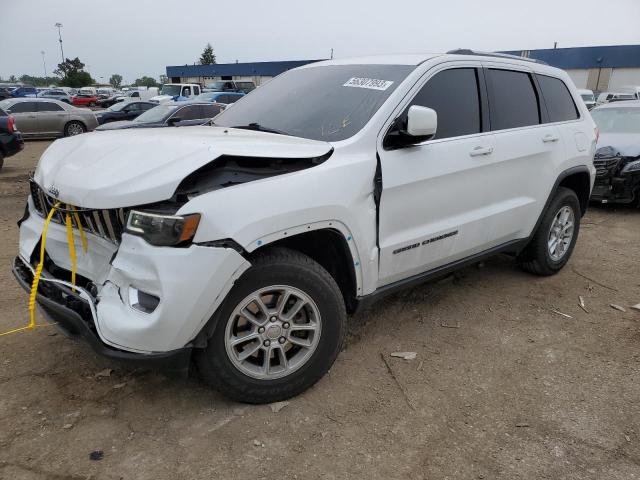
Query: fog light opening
pixel 142 301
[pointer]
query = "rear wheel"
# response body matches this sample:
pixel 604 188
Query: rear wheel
pixel 556 236
pixel 74 128
pixel 278 331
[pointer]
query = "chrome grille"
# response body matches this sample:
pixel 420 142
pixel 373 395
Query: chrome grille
pixel 108 224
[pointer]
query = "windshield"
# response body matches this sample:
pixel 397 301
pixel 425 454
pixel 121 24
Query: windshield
pixel 171 90
pixel 219 85
pixel 329 103
pixel 617 120
pixel 587 97
pixel 156 114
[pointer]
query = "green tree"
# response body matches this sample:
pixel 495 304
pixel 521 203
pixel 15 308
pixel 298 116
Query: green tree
pixel 39 81
pixel 145 82
pixel 72 74
pixel 207 57
pixel 13 79
pixel 116 80
pixel 163 79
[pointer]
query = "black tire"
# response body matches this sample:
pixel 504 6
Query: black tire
pixel 536 257
pixel 70 125
pixel 277 266
pixel 1 160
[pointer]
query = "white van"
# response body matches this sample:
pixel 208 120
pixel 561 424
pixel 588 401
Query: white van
pixel 245 243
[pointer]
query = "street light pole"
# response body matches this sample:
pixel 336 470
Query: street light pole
pixel 59 25
pixel 44 64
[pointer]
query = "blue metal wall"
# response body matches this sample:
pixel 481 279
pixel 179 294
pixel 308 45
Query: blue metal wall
pixel 267 69
pixel 616 56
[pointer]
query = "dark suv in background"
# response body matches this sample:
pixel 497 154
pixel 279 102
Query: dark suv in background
pixel 230 86
pixel 10 139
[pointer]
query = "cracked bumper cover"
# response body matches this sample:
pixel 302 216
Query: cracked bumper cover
pixel 190 283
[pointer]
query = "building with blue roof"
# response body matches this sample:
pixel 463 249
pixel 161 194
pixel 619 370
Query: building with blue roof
pixel 604 68
pixel 258 72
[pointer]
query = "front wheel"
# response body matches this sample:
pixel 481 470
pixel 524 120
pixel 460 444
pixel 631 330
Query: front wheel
pixel 74 128
pixel 556 236
pixel 278 331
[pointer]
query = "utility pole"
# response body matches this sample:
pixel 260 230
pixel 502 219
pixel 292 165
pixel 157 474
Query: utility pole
pixel 332 54
pixel 44 65
pixel 555 45
pixel 59 26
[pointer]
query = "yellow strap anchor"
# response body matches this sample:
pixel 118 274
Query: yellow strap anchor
pixel 38 272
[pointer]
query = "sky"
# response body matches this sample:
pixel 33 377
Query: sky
pixel 141 37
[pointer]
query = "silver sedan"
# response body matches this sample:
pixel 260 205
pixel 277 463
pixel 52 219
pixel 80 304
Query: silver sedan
pixel 44 117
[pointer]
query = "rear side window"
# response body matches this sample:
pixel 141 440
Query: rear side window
pixel 191 112
pixel 24 107
pixel 233 98
pixel 560 104
pixel 453 94
pixel 210 111
pixel 513 101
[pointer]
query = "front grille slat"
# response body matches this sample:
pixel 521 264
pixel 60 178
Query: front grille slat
pixel 106 223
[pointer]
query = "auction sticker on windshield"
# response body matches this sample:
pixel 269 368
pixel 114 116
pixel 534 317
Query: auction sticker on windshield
pixel 370 83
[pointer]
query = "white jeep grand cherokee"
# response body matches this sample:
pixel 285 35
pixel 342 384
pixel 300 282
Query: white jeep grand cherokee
pixel 243 245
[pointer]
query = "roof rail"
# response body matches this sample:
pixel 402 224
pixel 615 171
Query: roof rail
pixel 466 51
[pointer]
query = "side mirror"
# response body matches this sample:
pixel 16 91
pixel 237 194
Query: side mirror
pixel 173 120
pixel 421 121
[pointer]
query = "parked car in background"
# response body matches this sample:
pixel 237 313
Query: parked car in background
pixel 84 100
pixel 606 97
pixel 243 245
pixel 11 141
pixel 176 91
pixel 126 110
pixel 617 158
pixel 43 117
pixel 174 114
pixel 587 97
pixel 111 100
pixel 220 97
pixel 24 91
pixel 632 89
pixel 55 94
pixel 5 93
pixel 230 86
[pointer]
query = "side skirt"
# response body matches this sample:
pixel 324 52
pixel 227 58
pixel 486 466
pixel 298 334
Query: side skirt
pixel 513 246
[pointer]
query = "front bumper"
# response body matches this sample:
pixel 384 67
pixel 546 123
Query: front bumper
pixel 613 189
pixel 190 284
pixel 72 314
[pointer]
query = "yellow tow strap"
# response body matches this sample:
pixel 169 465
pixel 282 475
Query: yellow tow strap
pixel 38 272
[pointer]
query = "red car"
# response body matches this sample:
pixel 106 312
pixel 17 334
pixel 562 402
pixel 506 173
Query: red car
pixel 83 99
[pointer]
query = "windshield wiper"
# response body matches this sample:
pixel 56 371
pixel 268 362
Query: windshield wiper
pixel 260 128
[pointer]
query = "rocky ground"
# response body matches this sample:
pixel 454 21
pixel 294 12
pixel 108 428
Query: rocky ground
pixel 512 380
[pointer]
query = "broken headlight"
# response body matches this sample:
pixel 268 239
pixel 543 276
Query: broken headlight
pixel 163 230
pixel 632 167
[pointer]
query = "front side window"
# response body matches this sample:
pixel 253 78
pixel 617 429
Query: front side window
pixel 560 104
pixel 49 107
pixel 329 103
pixel 513 101
pixel 191 112
pixel 453 94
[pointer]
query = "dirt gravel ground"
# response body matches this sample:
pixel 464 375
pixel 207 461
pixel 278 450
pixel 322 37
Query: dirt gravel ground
pixel 501 388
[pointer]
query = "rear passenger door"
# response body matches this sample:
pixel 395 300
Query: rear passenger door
pixel 527 148
pixel 51 118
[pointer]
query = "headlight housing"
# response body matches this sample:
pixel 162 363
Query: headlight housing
pixel 631 167
pixel 163 230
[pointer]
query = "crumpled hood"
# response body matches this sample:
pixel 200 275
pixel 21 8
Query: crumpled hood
pixel 625 144
pixel 125 168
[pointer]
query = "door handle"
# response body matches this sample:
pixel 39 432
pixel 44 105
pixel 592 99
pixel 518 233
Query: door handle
pixel 477 151
pixel 550 138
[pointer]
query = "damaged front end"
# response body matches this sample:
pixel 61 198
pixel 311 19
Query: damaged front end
pixel 617 177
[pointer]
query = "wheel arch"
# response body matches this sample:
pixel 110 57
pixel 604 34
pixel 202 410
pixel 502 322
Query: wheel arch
pixel 579 180
pixel 329 245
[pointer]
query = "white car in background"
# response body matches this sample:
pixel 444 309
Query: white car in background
pixel 245 243
pixel 587 97
pixel 606 97
pixel 176 91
